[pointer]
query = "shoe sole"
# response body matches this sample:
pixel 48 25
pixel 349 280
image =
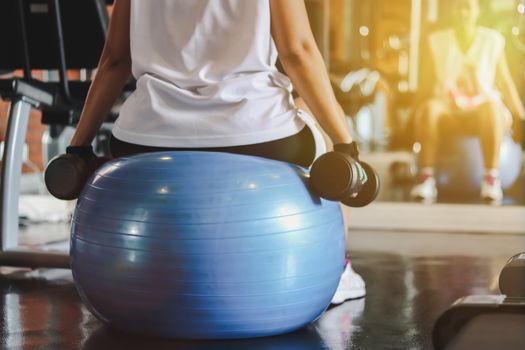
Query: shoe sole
pixel 420 199
pixel 353 296
pixel 492 201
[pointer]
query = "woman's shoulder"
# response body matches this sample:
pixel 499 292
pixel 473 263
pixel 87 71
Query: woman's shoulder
pixel 491 34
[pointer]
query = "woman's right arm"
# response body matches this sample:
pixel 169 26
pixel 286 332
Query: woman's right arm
pixel 114 70
pixel 305 67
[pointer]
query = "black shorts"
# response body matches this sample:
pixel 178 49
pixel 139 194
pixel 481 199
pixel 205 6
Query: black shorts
pixel 296 149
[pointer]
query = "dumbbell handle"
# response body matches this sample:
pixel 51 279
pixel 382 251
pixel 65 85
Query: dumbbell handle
pixel 334 176
pixel 339 177
pixel 368 192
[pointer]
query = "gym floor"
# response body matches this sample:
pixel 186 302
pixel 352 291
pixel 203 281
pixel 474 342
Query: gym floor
pixel 411 279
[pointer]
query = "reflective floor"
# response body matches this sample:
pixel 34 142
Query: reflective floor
pixel 411 278
pixel 398 174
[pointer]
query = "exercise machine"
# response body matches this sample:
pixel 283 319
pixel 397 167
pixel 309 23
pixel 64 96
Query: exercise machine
pixel 487 321
pixel 49 35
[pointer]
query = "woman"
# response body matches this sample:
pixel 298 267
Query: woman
pixel 470 92
pixel 206 79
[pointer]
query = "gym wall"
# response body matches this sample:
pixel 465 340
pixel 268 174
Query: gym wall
pixel 34 132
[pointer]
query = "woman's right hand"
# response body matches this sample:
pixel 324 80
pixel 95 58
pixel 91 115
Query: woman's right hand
pixel 113 72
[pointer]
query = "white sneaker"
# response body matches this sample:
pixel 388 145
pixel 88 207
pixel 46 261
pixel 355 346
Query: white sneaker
pixel 491 189
pixel 351 286
pixel 425 190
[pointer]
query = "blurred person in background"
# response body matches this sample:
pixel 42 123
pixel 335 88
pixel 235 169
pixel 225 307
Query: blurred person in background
pixel 469 91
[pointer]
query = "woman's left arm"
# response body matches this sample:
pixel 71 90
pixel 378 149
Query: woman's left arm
pixel 508 89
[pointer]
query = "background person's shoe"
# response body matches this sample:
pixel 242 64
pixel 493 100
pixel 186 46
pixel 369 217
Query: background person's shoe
pixel 425 190
pixel 491 189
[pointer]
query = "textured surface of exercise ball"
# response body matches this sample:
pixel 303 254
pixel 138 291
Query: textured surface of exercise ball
pixel 460 166
pixel 205 245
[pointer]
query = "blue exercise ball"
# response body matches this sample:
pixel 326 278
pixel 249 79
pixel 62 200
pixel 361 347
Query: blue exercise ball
pixel 205 245
pixel 460 166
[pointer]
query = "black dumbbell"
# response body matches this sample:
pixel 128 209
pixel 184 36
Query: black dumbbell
pixel 66 174
pixel 340 176
pixel 512 277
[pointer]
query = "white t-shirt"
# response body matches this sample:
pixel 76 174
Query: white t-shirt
pixel 467 78
pixel 206 76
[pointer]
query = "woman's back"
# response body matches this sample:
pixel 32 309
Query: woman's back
pixel 201 42
pixel 206 75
